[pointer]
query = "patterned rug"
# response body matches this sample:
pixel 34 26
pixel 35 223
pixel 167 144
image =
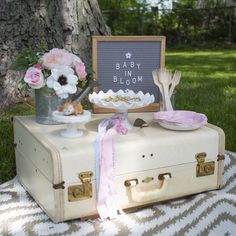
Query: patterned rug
pixel 211 213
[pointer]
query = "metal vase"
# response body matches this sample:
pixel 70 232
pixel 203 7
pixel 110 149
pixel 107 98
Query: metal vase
pixel 46 101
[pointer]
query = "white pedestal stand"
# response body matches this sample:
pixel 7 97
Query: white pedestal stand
pixel 126 122
pixel 122 101
pixel 71 131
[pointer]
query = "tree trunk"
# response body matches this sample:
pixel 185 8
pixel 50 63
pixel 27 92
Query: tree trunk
pixel 65 24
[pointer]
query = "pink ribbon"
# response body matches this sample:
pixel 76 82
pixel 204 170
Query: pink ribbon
pixel 107 199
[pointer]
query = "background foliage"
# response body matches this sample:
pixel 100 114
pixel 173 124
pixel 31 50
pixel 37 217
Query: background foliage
pixel 190 23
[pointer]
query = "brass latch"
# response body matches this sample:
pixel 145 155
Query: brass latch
pixel 82 191
pixel 85 177
pixel 204 168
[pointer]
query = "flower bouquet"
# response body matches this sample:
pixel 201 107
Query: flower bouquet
pixel 57 69
pixel 54 76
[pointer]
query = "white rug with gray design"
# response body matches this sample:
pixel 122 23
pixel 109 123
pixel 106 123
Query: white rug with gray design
pixel 211 213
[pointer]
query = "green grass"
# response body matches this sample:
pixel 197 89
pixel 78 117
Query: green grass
pixel 7 153
pixel 208 85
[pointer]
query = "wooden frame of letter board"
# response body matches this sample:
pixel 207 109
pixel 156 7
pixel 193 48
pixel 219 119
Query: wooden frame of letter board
pixel 97 39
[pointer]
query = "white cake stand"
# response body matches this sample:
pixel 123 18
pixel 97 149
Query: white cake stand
pixel 71 131
pixel 101 99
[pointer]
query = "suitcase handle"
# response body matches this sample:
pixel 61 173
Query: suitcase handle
pixel 151 194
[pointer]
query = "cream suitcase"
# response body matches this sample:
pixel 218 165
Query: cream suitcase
pixel 153 164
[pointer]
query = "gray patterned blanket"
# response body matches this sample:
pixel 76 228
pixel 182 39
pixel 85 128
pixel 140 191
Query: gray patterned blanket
pixel 211 213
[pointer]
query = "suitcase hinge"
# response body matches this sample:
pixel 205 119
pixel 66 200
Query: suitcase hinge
pixel 58 186
pixel 82 191
pixel 220 157
pixel 204 168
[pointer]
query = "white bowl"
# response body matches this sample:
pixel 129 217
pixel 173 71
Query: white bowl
pixel 133 100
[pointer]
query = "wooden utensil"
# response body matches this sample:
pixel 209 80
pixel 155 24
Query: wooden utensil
pixel 159 85
pixel 165 79
pixel 175 81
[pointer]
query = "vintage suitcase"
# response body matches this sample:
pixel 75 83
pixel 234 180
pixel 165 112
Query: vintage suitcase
pixel 153 164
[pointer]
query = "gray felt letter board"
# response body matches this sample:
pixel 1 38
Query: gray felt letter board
pixel 127 62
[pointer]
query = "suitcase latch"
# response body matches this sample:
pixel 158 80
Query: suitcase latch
pixel 204 168
pixel 82 191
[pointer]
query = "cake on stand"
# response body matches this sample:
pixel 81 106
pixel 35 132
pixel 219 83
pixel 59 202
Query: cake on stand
pixel 121 102
pixel 72 121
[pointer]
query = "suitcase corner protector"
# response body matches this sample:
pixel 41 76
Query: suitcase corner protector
pixel 59 185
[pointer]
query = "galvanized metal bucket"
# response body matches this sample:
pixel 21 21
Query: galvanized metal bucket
pixel 46 101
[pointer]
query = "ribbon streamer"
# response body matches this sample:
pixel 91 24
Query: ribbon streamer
pixel 107 200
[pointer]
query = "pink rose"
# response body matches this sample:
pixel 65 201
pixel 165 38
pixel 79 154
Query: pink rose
pixel 34 78
pixel 38 66
pixel 76 60
pixel 80 70
pixel 57 58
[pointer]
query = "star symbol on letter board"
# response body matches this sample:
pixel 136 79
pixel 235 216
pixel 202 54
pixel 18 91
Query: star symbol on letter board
pixel 128 55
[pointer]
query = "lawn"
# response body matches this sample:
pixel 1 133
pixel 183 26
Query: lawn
pixel 7 155
pixel 208 85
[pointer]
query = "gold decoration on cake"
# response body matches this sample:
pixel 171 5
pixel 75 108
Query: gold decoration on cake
pixel 119 98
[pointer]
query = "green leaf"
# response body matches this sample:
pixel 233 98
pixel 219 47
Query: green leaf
pixel 46 73
pixel 90 70
pixel 24 60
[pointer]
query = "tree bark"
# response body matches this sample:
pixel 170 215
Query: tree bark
pixel 65 24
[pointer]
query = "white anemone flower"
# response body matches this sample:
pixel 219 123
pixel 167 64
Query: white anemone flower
pixel 63 81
